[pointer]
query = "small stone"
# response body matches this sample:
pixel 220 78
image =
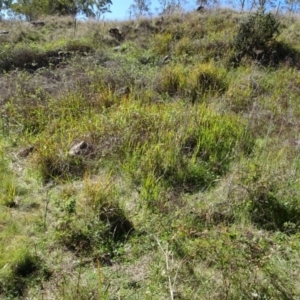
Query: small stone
pixel 166 59
pixel 123 91
pixel 81 148
pixel 37 23
pixel 115 32
pixel 200 8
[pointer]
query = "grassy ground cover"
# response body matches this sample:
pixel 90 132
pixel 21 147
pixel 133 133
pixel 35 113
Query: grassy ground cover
pixel 162 164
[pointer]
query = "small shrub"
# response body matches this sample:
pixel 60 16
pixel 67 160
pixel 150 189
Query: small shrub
pixel 184 46
pixel 242 92
pixel 101 196
pixel 30 112
pixel 8 189
pixel 255 36
pixel 8 193
pixel 30 36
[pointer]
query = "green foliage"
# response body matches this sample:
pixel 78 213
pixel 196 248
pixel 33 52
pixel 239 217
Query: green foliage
pixel 255 35
pixel 194 83
pixel 7 182
pixel 34 9
pixel 18 267
pixel 201 151
pixel 162 43
pixel 188 183
pixel 31 57
pixel 102 226
pixel 267 209
pixel 30 9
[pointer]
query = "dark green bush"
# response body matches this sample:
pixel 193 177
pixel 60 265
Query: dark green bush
pixel 255 35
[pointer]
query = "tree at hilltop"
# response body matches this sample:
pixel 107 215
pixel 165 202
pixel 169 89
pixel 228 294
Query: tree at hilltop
pixel 32 9
pixel 140 8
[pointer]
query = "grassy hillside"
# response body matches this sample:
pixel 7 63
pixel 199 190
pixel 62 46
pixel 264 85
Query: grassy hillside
pixel 161 162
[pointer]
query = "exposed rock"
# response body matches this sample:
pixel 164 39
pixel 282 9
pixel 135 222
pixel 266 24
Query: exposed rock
pixel 115 32
pixel 160 21
pixel 81 148
pixel 106 260
pixel 3 32
pixel 200 8
pixel 123 91
pixel 38 23
pixel 145 60
pixel 166 59
pixel 63 53
pixel 120 48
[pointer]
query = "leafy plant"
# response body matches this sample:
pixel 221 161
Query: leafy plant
pixel 255 35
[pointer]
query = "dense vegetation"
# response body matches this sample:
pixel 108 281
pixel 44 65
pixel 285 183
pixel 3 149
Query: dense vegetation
pixel 156 161
pixel 33 9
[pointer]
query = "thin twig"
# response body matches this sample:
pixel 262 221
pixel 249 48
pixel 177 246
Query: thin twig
pixel 46 209
pixel 166 254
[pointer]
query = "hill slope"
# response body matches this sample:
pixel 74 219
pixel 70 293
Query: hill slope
pixel 152 161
